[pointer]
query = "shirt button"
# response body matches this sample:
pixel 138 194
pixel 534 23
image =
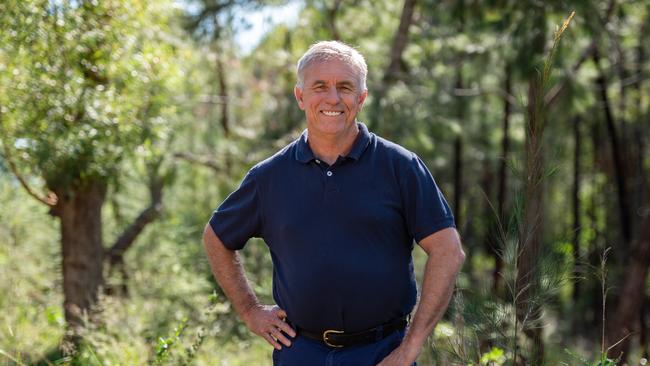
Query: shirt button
pixel 329 173
pixel 317 161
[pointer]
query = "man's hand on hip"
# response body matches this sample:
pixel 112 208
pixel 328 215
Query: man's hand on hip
pixel 267 321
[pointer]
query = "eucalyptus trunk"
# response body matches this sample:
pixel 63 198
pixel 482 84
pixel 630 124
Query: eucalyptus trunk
pixel 79 211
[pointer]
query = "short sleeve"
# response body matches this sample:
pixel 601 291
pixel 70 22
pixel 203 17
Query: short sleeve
pixel 238 218
pixel 425 208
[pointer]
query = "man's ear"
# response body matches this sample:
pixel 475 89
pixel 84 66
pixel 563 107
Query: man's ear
pixel 297 92
pixel 362 98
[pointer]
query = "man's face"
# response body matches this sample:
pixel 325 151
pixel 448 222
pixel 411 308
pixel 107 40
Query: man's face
pixel 331 96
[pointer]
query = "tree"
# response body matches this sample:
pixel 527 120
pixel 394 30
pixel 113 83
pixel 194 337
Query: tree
pixel 85 87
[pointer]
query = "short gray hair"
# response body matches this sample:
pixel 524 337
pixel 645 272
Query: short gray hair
pixel 332 50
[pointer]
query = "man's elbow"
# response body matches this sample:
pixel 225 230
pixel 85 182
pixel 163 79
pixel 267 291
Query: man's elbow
pixel 460 256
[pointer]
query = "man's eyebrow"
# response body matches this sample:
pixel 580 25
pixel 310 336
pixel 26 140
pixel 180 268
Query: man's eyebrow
pixel 346 83
pixel 340 83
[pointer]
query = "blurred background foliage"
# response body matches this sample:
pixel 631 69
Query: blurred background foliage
pixel 124 123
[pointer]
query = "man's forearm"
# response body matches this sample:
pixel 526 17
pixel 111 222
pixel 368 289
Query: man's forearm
pixel 443 264
pixel 228 271
pixel 263 320
pixel 433 303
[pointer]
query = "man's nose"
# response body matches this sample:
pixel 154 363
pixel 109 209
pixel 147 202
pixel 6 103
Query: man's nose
pixel 332 96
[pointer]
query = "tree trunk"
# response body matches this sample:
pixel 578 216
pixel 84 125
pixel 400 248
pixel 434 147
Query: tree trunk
pixel 530 234
pixel 458 180
pixel 81 239
pixel 529 246
pixel 331 19
pixel 458 152
pixel 593 319
pixel 617 157
pixel 503 181
pixel 632 295
pixel 400 41
pixel 223 95
pixel 643 334
pixel 577 225
pixel 458 144
pixel 641 192
pixel 395 67
pixel 629 315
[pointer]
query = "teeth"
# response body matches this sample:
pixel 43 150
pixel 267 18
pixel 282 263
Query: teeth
pixel 331 113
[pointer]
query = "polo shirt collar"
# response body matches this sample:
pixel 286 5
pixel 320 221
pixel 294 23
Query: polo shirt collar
pixel 303 151
pixel 304 154
pixel 360 144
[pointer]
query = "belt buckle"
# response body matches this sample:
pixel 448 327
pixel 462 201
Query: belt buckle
pixel 326 333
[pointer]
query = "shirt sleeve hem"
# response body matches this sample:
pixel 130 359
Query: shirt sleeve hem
pixel 437 226
pixel 222 236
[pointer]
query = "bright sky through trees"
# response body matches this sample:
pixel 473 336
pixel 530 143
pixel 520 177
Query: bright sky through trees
pixel 251 26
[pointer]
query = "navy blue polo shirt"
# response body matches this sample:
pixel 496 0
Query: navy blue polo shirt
pixel 340 236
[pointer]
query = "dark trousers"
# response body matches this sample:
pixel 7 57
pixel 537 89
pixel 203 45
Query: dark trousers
pixel 308 352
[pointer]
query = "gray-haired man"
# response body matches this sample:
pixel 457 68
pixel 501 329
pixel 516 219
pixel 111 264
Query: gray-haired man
pixel 339 209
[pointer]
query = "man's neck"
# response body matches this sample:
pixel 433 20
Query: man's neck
pixel 328 148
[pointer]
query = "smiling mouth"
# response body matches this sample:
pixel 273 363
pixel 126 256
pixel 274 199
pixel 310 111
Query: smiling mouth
pixel 332 113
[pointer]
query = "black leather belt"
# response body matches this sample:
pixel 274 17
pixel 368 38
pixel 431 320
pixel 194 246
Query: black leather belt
pixel 339 338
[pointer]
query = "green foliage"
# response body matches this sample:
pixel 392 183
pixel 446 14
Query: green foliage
pixel 496 357
pixel 112 90
pixel 85 85
pixel 602 360
pixel 31 316
pixel 165 344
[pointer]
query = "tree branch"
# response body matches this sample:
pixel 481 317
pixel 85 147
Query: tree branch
pixel 331 17
pixel 115 254
pixel 396 65
pixel 49 200
pixel 199 160
pixel 400 42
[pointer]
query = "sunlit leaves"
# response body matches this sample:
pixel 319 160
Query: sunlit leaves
pixel 85 83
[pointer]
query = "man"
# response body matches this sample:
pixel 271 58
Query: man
pixel 339 209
